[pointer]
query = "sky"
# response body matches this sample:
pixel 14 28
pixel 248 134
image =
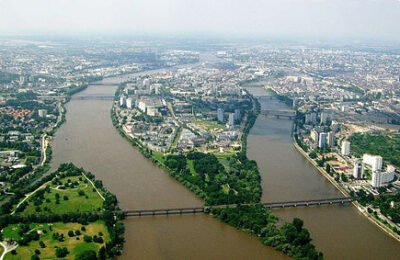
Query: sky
pixel 334 19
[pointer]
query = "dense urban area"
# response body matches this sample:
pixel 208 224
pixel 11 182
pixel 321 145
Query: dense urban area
pixel 190 112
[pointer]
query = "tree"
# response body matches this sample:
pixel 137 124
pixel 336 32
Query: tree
pixel 313 155
pixel 86 255
pixel 42 244
pixel 61 252
pixel 328 168
pixel 102 253
pixel 87 238
pixel 71 233
pixel 298 223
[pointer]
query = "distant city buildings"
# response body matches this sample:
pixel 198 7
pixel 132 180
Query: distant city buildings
pixel 220 115
pixel 42 113
pixel 324 118
pixel 129 103
pixel 122 101
pixel 231 121
pixel 238 115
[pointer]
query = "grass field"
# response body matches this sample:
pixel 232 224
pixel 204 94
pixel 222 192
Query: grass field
pixel 159 156
pixel 74 244
pixel 210 125
pixel 190 166
pixel 69 198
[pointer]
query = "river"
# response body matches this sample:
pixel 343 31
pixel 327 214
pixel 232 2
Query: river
pixel 89 140
pixel 340 232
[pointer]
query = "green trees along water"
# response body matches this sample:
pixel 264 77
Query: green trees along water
pixel 291 238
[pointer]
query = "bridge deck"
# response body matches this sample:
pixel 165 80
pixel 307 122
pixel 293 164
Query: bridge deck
pixel 269 205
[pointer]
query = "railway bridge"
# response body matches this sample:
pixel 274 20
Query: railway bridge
pixel 205 209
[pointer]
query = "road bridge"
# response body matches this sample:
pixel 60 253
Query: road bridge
pixel 95 97
pixel 278 113
pixel 269 205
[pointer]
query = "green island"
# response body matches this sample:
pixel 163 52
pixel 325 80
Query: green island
pixel 230 179
pixel 69 215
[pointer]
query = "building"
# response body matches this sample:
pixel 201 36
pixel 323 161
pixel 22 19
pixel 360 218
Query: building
pixel 331 139
pixel 155 88
pixel 345 148
pixel 358 170
pixel 324 118
pixel 146 83
pixel 387 177
pixel 220 115
pixel 311 118
pixel 129 103
pixel 376 179
pixel 231 121
pixel 380 178
pixel 314 135
pixel 295 103
pixel 42 113
pixel 238 115
pixel 122 101
pixel 322 142
pixel 374 161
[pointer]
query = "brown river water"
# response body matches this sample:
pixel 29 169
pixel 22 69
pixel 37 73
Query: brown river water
pixel 89 140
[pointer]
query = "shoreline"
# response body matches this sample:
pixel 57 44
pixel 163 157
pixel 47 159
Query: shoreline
pixel 355 203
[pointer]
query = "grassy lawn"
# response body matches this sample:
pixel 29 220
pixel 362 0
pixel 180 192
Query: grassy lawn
pixel 190 166
pixel 74 244
pixel 70 199
pixel 159 156
pixel 210 125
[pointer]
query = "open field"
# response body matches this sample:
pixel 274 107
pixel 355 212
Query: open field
pixel 68 194
pixel 210 126
pixel 46 231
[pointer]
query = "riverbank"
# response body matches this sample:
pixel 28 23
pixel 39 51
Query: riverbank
pixel 355 203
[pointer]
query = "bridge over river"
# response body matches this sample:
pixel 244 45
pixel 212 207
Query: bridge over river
pixel 95 97
pixel 205 209
pixel 278 113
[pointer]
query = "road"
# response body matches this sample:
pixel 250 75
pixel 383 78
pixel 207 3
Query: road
pixel 7 248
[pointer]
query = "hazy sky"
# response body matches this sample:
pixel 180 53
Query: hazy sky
pixel 375 19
